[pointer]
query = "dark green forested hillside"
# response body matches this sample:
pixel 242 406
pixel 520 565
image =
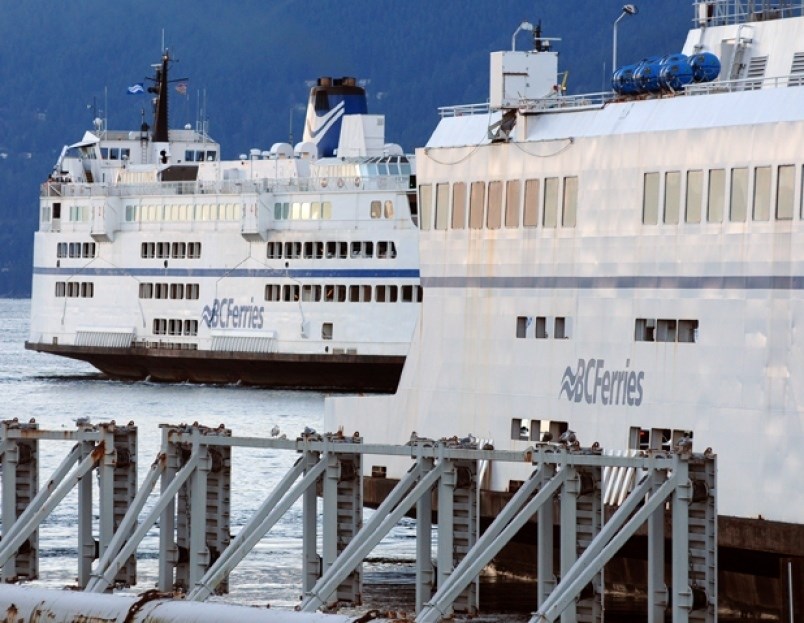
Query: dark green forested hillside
pixel 60 63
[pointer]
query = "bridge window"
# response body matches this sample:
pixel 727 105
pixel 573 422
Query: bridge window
pixel 717 196
pixel 738 208
pixel 531 218
pixel 785 187
pixel 426 204
pixel 672 197
pixel 459 205
pixel 551 202
pixel 476 200
pixel 512 197
pixel 495 205
pixel 762 193
pixel 650 199
pixel 442 206
pixel 570 213
pixel 692 212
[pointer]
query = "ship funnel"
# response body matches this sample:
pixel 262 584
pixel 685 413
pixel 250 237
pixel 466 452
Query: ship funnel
pixel 330 100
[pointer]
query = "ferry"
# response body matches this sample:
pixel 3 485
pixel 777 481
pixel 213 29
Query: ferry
pixel 294 266
pixel 626 267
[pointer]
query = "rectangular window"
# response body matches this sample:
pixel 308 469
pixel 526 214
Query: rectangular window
pixel 160 290
pixel 762 193
pixel 190 327
pixel 672 197
pixel 570 212
pixel 60 289
pixel 407 294
pixel 540 330
pixel 512 204
pixel 717 196
pixel 194 250
pixel 177 290
pixel 160 326
pixel 131 213
pixel 272 292
pixel 146 290
pixel 459 205
pixel 274 250
pixel 644 330
pixel 290 293
pixel 393 294
pixel 88 289
pixel 687 331
pixel 379 294
pixel 665 330
pixel 738 208
pixel 650 199
pixel 178 250
pixel 61 249
pixel 561 328
pixel 376 209
pixel 191 291
pixel 522 323
pixel 442 206
pixel 692 212
pixel 162 250
pixel 476 199
pixel 426 203
pixel 354 294
pixel 326 331
pixel 551 202
pixel 495 205
pixel 311 293
pixel 520 429
pixel 531 217
pixel 785 187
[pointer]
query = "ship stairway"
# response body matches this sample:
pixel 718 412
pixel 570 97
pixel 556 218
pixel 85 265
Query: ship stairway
pixel 564 498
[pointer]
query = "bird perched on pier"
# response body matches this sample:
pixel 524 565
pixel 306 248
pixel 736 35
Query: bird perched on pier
pixel 568 438
pixel 275 431
pixel 684 444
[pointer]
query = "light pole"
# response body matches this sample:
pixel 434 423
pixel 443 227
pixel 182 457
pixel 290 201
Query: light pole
pixel 628 9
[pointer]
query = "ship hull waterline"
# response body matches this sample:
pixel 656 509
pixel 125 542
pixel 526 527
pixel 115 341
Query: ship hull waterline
pixel 326 372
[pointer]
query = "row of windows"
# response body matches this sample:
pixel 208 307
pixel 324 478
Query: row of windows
pixel 79 214
pixel 382 210
pixel 337 293
pixel 199 155
pixel 175 326
pixel 75 289
pixel 740 192
pixel 331 249
pixel 175 250
pixel 303 210
pixel 645 329
pixel 665 330
pixel 542 327
pixel 115 153
pixel 76 249
pixel 656 438
pixel 537 430
pixel 185 212
pixel 500 204
pixel 169 291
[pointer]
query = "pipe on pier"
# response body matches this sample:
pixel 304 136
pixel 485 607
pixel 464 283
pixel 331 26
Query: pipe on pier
pixel 18 603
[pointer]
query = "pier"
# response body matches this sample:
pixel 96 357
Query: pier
pixel 568 487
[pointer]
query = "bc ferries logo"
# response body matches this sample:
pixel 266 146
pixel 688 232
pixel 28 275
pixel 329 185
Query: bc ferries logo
pixel 226 314
pixel 590 382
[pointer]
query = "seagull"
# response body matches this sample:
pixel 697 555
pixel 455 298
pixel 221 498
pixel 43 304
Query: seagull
pixel 547 437
pixel 275 431
pixel 684 444
pixel 568 437
pixel 308 431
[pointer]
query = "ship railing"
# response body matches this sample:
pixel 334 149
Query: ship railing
pixel 731 12
pixel 745 84
pixel 228 187
pixel 463 110
pixel 554 103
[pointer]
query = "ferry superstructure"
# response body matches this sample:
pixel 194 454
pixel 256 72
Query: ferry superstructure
pixel 289 267
pixel 630 268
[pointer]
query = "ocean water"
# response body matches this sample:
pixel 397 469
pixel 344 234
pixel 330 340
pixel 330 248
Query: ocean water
pixel 56 391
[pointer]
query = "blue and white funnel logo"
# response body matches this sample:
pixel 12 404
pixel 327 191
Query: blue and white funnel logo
pixel 590 382
pixel 226 314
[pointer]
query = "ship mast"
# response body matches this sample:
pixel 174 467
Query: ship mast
pixel 160 87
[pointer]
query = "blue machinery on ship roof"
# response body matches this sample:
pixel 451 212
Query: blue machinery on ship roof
pixel 656 74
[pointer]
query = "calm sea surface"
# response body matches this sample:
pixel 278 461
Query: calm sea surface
pixel 55 391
